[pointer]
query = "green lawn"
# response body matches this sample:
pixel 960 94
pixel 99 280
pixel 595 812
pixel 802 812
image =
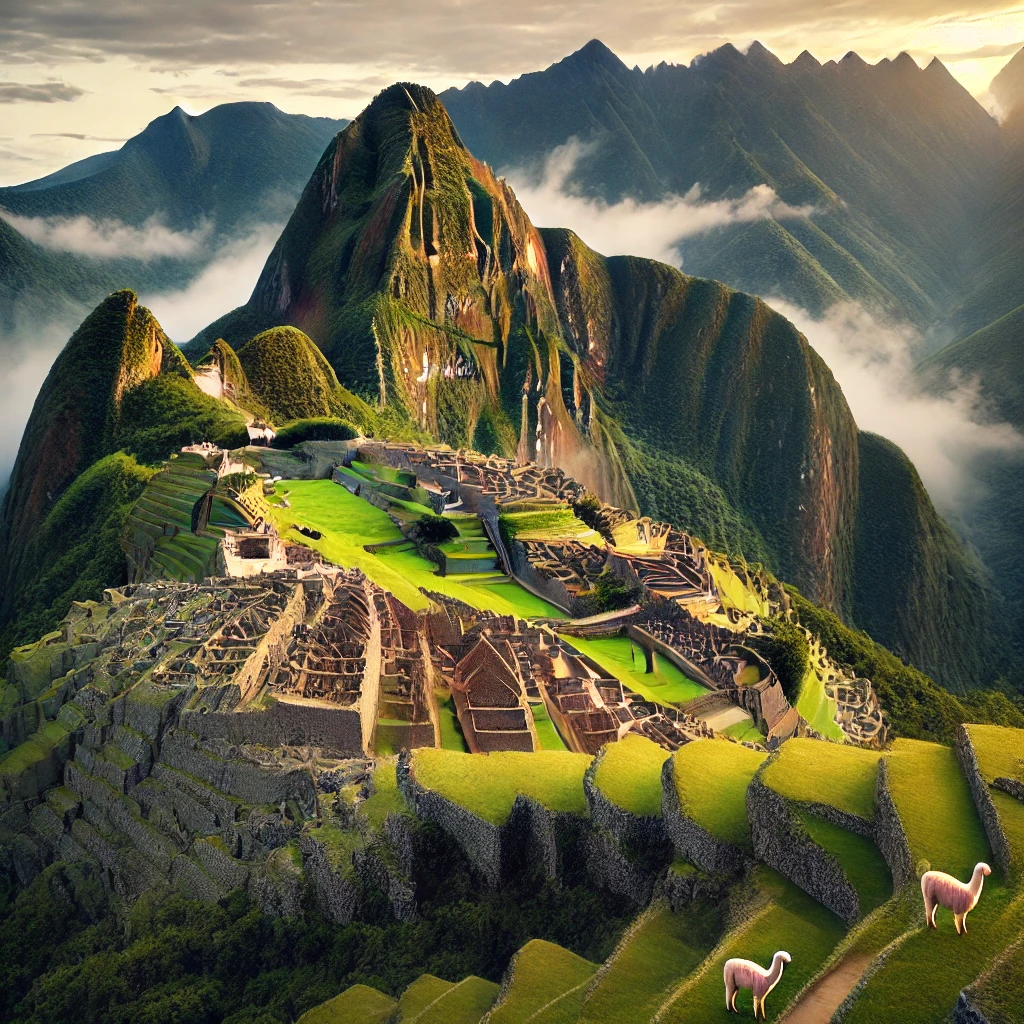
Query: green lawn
pixel 744 732
pixel 629 774
pixel 712 777
pixel 1001 754
pixel 550 524
pixel 624 660
pixel 542 973
pixel 658 952
pixel 935 806
pixel 817 708
pixel 827 773
pixel 420 994
pixel 862 861
pixel 348 523
pixel 359 1004
pixel 464 1003
pixel 386 798
pixel 487 785
pixel 451 730
pixel 546 731
pixel 1000 993
pixel 790 920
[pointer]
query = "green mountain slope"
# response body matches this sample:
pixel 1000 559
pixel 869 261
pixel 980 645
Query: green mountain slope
pixel 895 160
pixel 422 281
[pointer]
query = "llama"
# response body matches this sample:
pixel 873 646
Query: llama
pixel 942 890
pixel 746 974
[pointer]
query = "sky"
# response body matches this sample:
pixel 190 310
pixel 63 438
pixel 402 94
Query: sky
pixel 79 76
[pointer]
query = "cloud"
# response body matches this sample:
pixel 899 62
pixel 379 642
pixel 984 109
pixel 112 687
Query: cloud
pixel 355 89
pixel 75 135
pixel 225 283
pixel 110 239
pixel 631 227
pixel 982 52
pixel 54 91
pixel 943 435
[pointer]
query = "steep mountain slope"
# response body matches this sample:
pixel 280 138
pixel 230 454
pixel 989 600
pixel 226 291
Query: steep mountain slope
pixel 421 279
pixel 1008 85
pixel 215 174
pixel 118 385
pixel 893 158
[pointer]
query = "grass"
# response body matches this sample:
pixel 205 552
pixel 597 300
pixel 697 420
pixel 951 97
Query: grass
pixel 629 774
pixel 862 861
pixel 420 994
pixel 814 772
pixel 386 798
pixel 935 806
pixel 546 731
pixel 35 749
pixel 451 730
pixel 734 593
pixel 789 920
pixel 464 1003
pixel 488 785
pixel 542 972
pixel 359 1004
pixel 744 732
pixel 547 525
pixel 1000 752
pixel 711 778
pixel 999 994
pixel 657 953
pixel 666 685
pixel 817 708
pixel 348 523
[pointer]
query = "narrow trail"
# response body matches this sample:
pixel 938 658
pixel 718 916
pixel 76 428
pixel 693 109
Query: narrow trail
pixel 824 998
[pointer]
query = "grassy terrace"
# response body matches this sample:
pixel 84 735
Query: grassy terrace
pixel 1001 755
pixel 712 777
pixel 659 951
pixel 549 524
pixel 488 785
pixel 624 660
pixel 348 523
pixel 359 1004
pixel 862 861
pixel 420 994
pixel 464 1003
pixel 817 708
pixel 35 749
pixel 546 732
pixel 921 978
pixel 788 919
pixel 629 774
pixel 545 977
pixel 826 773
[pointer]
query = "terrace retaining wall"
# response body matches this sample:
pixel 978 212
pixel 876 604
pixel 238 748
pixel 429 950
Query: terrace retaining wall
pixel 782 843
pixel 968 759
pixel 890 836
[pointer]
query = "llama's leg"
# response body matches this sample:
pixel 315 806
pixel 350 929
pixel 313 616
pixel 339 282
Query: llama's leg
pixel 956 921
pixel 755 1007
pixel 735 993
pixel 763 1017
pixel 730 994
pixel 931 914
pixel 963 921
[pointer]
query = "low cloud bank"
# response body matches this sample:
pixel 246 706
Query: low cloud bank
pixel 630 227
pixel 110 239
pixel 943 435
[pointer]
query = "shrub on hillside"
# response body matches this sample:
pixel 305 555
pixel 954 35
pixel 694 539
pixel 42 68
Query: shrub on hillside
pixel 435 530
pixel 317 428
pixel 784 646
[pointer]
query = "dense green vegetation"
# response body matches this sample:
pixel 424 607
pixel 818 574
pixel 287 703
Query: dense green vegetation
pixel 321 428
pixel 916 706
pixel 785 647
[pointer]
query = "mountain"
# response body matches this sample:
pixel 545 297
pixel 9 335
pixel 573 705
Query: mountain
pixel 215 174
pixel 421 279
pixel 895 161
pixel 1008 85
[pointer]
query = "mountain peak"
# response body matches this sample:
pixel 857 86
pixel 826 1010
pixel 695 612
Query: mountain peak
pixel 806 61
pixel 1008 85
pixel 594 54
pixel 761 55
pixel 853 60
pixel 905 62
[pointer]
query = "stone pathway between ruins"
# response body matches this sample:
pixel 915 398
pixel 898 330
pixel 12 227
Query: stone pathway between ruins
pixel 824 998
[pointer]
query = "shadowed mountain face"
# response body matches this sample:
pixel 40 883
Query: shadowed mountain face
pixel 235 165
pixel 431 294
pixel 895 160
pixel 1008 85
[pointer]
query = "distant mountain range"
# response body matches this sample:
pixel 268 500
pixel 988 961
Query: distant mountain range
pixel 237 164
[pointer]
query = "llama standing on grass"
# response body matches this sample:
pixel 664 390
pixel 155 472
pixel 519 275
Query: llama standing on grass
pixel 746 974
pixel 942 890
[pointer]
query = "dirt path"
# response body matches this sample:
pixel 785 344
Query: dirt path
pixel 824 998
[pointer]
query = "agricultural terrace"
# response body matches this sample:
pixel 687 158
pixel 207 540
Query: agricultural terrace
pixel 1001 755
pixel 547 734
pixel 464 1003
pixel 810 771
pixel 386 798
pixel 359 1004
pixel 862 861
pixel 711 779
pixel 656 953
pixel 624 660
pixel 817 707
pixel 347 523
pixel 733 591
pixel 545 976
pixel 629 774
pixel 420 994
pixel 551 523
pixel 999 994
pixel 787 919
pixel 487 786
pixel 925 972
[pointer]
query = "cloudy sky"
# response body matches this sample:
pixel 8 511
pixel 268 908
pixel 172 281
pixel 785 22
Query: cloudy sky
pixel 78 76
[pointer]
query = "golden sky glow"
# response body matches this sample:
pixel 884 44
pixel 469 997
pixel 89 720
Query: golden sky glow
pixel 76 75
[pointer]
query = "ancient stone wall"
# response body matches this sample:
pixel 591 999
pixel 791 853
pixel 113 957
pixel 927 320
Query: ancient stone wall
pixel 890 836
pixel 632 831
pixel 997 839
pixel 781 842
